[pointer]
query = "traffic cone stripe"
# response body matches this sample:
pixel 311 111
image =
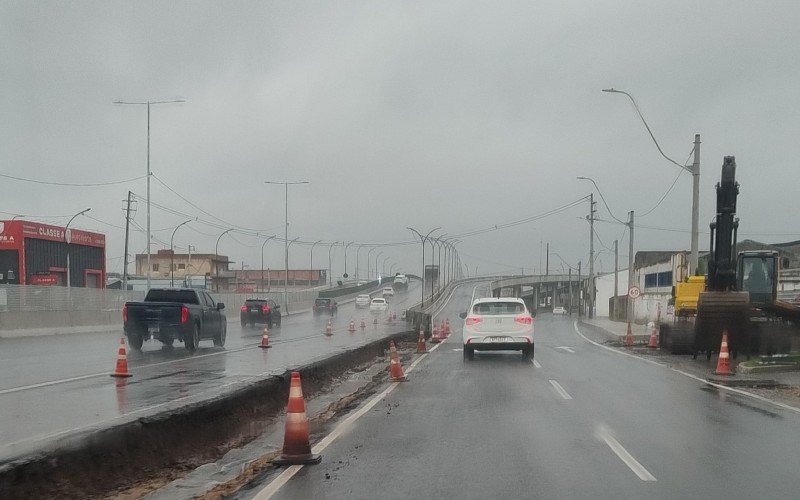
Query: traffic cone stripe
pixel 296 446
pixel 121 368
pixel 723 363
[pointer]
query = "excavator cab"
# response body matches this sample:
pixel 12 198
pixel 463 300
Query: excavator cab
pixel 756 273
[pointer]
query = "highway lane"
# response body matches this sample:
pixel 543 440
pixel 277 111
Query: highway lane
pixel 55 385
pixel 582 422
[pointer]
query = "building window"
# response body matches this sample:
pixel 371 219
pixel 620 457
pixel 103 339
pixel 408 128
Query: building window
pixel 155 267
pixel 656 280
pixel 181 266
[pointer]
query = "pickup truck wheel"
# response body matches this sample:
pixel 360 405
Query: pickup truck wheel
pixel 244 324
pixel 190 341
pixel 219 340
pixel 135 340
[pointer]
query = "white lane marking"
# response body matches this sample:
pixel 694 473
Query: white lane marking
pixel 458 350
pixel 560 390
pixel 691 376
pixel 568 349
pixel 536 364
pixel 602 432
pixel 284 477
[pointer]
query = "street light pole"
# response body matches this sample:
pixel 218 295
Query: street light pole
pixel 262 260
pixel 216 256
pixel 68 240
pixel 286 229
pixel 330 269
pixel 376 265
pixel 368 254
pixel 694 170
pixel 423 239
pixel 286 278
pixel 311 268
pixel 383 265
pixel 149 173
pixel 344 275
pixel 172 253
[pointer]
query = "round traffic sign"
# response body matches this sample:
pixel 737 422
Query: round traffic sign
pixel 634 292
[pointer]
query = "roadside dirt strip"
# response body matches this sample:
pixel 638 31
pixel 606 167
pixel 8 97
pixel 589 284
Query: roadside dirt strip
pixel 137 457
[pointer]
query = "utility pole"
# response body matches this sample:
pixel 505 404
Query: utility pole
pixel 591 255
pixel 630 266
pixel 580 290
pixel 693 260
pixel 149 172
pixel 616 270
pixel 127 237
pixel 547 261
pixel 570 290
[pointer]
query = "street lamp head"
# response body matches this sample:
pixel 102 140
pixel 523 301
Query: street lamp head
pixel 612 89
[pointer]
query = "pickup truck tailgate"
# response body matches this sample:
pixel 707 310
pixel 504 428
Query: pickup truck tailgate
pixel 148 314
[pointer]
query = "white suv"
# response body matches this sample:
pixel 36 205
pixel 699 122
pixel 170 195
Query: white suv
pixel 362 301
pixel 498 324
pixel 388 291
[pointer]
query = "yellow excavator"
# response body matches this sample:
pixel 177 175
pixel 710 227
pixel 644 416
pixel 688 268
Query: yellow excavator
pixel 739 294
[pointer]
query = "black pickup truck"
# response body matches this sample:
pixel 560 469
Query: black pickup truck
pixel 167 314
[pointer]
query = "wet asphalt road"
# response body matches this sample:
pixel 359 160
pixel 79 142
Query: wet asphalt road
pixel 582 422
pixel 55 385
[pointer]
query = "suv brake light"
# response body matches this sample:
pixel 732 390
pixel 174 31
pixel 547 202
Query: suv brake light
pixel 525 320
pixel 125 313
pixel 244 308
pixel 184 314
pixel 473 320
pixel 265 309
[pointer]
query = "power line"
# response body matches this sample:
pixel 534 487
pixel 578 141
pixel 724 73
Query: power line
pixel 73 184
pixel 668 190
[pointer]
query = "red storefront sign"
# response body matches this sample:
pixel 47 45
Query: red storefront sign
pixel 13 231
pixel 44 280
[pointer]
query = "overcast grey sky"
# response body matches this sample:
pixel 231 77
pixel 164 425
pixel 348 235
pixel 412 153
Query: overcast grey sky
pixel 454 114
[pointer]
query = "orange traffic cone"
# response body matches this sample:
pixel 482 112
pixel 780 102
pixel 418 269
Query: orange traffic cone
pixel 653 338
pixel 629 337
pixel 443 330
pixel 447 327
pixel 724 361
pixel 352 327
pixel 296 447
pixel 395 369
pixel 329 329
pixel 421 348
pixel 363 325
pixel 435 338
pixel 265 339
pixel 121 369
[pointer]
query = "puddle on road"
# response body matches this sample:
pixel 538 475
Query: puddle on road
pixel 731 397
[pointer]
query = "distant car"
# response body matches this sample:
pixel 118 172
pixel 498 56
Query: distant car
pixel 261 311
pixel 388 291
pixel 325 306
pixel 498 324
pixel 378 305
pixel 363 301
pixel 559 310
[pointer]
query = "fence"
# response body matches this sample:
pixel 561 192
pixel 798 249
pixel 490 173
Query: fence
pixel 58 298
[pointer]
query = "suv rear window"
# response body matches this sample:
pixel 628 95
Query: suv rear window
pixel 323 302
pixel 254 302
pixel 496 308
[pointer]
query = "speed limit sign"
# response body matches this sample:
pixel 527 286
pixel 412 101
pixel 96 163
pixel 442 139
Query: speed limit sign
pixel 634 292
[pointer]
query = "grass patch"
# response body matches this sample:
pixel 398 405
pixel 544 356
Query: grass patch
pixel 776 359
